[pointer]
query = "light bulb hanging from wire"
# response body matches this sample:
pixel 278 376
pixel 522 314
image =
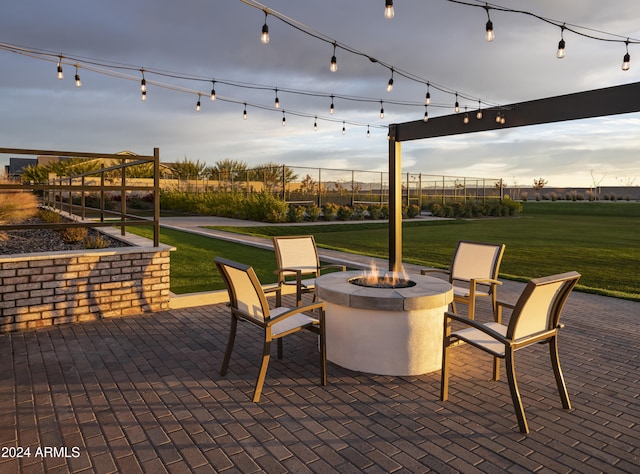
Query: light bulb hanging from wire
pixel 426 115
pixel 78 82
pixel 389 12
pixel 381 110
pixel 244 113
pixel 284 120
pixel 143 82
pixel 479 112
pixel 465 120
pixel 427 98
pixel 456 106
pixel 315 124
pixel 561 44
pixel 213 91
pixel 333 66
pixel 276 103
pixel 198 104
pixel 331 107
pixel 490 35
pixel 60 74
pixel 344 130
pixel 264 37
pixel 390 83
pixel 627 58
pixel 368 132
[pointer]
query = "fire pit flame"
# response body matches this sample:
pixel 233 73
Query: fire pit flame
pixel 374 278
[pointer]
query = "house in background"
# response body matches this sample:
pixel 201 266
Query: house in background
pixel 14 169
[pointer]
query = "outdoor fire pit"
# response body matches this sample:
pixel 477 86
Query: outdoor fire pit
pixel 387 325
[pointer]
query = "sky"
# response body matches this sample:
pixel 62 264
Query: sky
pixel 438 41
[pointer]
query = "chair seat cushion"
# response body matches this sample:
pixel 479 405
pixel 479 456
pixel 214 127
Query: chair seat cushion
pixel 483 341
pixel 286 325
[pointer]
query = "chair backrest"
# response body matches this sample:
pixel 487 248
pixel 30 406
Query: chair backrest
pixel 476 260
pixel 297 251
pixel 243 286
pixel 540 304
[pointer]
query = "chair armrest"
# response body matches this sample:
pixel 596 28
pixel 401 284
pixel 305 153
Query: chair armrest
pixel 506 304
pixel 424 271
pixel 477 325
pixel 297 310
pixel 297 271
pixel 337 267
pixel 485 281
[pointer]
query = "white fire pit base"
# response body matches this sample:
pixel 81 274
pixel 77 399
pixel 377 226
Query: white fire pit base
pixel 384 331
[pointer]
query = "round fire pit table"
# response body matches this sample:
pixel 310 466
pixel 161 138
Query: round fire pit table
pixel 385 331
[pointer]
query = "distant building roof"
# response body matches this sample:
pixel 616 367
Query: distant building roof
pixel 17 165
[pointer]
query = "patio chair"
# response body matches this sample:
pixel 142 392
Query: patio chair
pixel 297 256
pixel 534 319
pixel 248 302
pixel 473 274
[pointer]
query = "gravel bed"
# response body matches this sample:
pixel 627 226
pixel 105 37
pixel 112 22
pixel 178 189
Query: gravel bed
pixel 43 240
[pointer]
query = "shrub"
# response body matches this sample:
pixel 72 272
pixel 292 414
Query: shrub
pixel 313 213
pixel 17 206
pixel 384 212
pixel 330 212
pixel 413 210
pixel 95 242
pixel 72 235
pixel 50 217
pixel 295 213
pixel 358 212
pixel 344 213
pixel 374 211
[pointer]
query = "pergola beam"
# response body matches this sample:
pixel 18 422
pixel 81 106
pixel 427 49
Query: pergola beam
pixel 581 105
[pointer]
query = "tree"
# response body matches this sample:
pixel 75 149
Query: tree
pixel 187 169
pixel 228 171
pixel 273 174
pixel 538 184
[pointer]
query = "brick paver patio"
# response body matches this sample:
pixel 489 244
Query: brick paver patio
pixel 143 394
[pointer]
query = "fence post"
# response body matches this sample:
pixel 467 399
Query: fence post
pixel 319 198
pixel 156 197
pixel 123 196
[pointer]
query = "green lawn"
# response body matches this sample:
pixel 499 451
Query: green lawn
pixel 599 240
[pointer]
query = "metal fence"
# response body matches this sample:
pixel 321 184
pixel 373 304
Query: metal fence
pixel 305 185
pixel 84 195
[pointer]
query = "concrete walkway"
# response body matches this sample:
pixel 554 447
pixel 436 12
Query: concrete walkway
pixel 144 394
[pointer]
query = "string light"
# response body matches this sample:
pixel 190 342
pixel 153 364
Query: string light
pixel 143 97
pixel 368 132
pixel 333 66
pixel 381 110
pixel 465 120
pixel 143 82
pixel 561 44
pixel 389 13
pixel 284 120
pixel 244 113
pixel 60 74
pixel 498 117
pixel 479 112
pixel 390 83
pixel 456 106
pixel 490 35
pixel 331 108
pixel 198 104
pixel 426 115
pixel 213 91
pixel 276 104
pixel 627 57
pixel 78 82
pixel 344 130
pixel 427 99
pixel 264 37
pixel 315 123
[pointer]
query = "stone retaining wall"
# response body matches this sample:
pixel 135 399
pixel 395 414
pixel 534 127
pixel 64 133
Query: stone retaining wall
pixel 38 290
